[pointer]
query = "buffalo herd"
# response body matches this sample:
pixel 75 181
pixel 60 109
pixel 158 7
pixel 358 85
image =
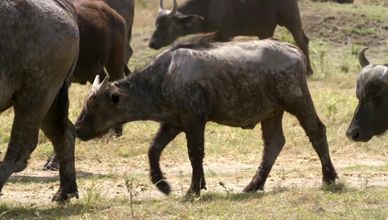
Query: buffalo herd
pixel 45 45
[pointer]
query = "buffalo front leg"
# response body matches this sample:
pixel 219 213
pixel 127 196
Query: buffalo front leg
pixel 274 141
pixel 23 140
pixel 61 133
pixel 164 136
pixel 195 144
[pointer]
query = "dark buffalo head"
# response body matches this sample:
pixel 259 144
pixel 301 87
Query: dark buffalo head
pixel 103 102
pixel 371 115
pixel 171 24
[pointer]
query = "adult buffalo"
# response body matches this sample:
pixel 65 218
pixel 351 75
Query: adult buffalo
pixel 370 117
pixel 97 18
pixel 237 84
pixel 38 51
pixel 103 40
pixel 229 18
pixel 103 36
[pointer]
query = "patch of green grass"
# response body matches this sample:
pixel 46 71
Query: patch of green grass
pixel 363 168
pixel 362 30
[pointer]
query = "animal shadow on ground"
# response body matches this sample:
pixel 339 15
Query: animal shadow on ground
pixel 80 175
pixel 32 212
pixel 339 187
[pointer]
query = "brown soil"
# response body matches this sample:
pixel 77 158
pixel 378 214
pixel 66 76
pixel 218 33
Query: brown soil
pixel 343 27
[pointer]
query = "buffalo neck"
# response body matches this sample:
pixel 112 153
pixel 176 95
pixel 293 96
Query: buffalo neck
pixel 200 8
pixel 194 7
pixel 144 90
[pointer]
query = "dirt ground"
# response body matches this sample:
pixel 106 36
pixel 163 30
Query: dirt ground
pixel 291 170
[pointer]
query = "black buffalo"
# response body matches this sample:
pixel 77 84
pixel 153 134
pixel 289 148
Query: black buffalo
pixel 370 117
pixel 39 44
pixel 229 18
pixel 237 84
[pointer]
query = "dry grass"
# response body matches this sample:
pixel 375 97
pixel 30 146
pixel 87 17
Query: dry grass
pixel 293 189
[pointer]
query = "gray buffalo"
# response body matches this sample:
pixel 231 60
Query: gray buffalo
pixel 39 44
pixel 229 18
pixel 236 84
pixel 370 117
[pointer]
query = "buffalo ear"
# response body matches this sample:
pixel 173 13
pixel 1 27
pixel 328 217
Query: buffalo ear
pixel 191 20
pixel 115 98
pixel 384 76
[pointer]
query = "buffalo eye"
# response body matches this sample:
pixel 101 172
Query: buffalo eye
pixel 115 98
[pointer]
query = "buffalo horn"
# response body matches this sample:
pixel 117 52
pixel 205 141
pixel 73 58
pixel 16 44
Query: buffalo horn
pixel 173 10
pixel 96 81
pixel 161 7
pixel 96 84
pixel 362 58
pixel 104 83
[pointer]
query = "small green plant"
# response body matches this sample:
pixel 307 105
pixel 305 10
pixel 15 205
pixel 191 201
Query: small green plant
pixel 91 198
pixel 226 189
pixel 130 184
pixel 332 110
pixel 319 51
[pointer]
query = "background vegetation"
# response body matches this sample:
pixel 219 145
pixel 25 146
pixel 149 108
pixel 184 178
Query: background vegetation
pixel 113 173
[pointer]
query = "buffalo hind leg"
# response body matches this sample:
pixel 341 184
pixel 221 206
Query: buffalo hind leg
pixel 304 111
pixel 274 141
pixel 316 132
pixel 61 133
pixel 164 136
pixel 290 18
pixel 23 140
pixel 195 143
pixel 51 163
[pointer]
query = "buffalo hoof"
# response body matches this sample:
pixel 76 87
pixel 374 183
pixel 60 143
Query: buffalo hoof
pixel 330 178
pixel 62 197
pixel 20 167
pixel 163 186
pixel 51 164
pixel 117 131
pixel 251 187
pixel 192 193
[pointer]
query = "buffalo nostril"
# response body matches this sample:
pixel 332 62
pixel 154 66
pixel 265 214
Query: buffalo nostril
pixel 353 134
pixel 151 44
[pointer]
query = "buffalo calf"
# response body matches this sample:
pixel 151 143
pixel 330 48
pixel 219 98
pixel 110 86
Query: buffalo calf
pixel 236 84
